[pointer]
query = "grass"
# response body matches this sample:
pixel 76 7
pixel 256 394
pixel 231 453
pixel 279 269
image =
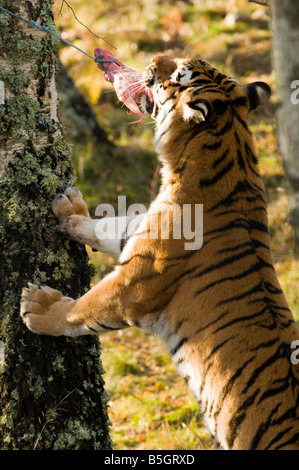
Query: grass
pixel 150 405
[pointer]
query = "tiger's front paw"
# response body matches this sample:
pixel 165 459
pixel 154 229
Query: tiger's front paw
pixel 69 203
pixel 70 209
pixel 74 218
pixel 44 310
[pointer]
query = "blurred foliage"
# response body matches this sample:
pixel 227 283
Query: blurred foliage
pixel 151 407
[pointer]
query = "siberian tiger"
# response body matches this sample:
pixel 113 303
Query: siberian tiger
pixel 219 307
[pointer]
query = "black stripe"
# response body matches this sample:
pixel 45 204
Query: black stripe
pixel 201 81
pixel 249 292
pixel 264 345
pixel 238 418
pixel 241 101
pixel 263 428
pixel 234 424
pixel 272 289
pixel 122 243
pixel 178 346
pixel 239 190
pixel 227 388
pixel 174 281
pixel 195 74
pixel 225 262
pixel 166 115
pixel 278 437
pixel 236 223
pixel 216 348
pixel 242 122
pixel 180 169
pixel 221 158
pixel 138 255
pixel 253 170
pixel 227 127
pixel 214 146
pixel 293 440
pixel 219 77
pixel 212 88
pixel 236 247
pixel 258 370
pixel 150 276
pixel 231 87
pixel 242 319
pixel 220 106
pixel 170 97
pixel 178 326
pixel 274 391
pixel 236 211
pixel 250 153
pixel 107 327
pixel 153 257
pixel 203 378
pixel 241 161
pixel 163 133
pixel 237 139
pixel 120 327
pixel 239 222
pixel 253 269
pixel 211 181
pixel 291 413
pixel 93 330
pixel 255 225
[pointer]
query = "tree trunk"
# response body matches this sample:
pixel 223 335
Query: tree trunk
pixel 51 389
pixel 285 28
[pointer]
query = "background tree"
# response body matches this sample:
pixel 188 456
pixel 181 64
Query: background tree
pixel 285 28
pixel 51 389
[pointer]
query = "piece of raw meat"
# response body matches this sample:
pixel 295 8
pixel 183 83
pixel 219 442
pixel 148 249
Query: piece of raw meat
pixel 128 83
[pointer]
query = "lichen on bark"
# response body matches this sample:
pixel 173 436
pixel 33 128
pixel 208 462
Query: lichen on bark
pixel 44 401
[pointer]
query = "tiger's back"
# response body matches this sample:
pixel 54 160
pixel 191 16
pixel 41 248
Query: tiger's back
pixel 232 324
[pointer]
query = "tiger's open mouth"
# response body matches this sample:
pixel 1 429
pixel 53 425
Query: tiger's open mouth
pixel 129 85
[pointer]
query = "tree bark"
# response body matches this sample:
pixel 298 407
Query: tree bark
pixel 285 29
pixel 51 389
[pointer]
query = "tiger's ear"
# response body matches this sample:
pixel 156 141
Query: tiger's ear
pixel 196 111
pixel 258 93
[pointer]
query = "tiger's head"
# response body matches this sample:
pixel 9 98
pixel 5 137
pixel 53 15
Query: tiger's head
pixel 191 96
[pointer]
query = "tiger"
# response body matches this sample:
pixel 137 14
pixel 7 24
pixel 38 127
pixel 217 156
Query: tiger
pixel 219 308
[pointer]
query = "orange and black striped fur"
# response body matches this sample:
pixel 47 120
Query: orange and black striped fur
pixel 219 308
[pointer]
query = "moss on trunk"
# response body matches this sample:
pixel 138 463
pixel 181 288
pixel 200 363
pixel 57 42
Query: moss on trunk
pixel 51 389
